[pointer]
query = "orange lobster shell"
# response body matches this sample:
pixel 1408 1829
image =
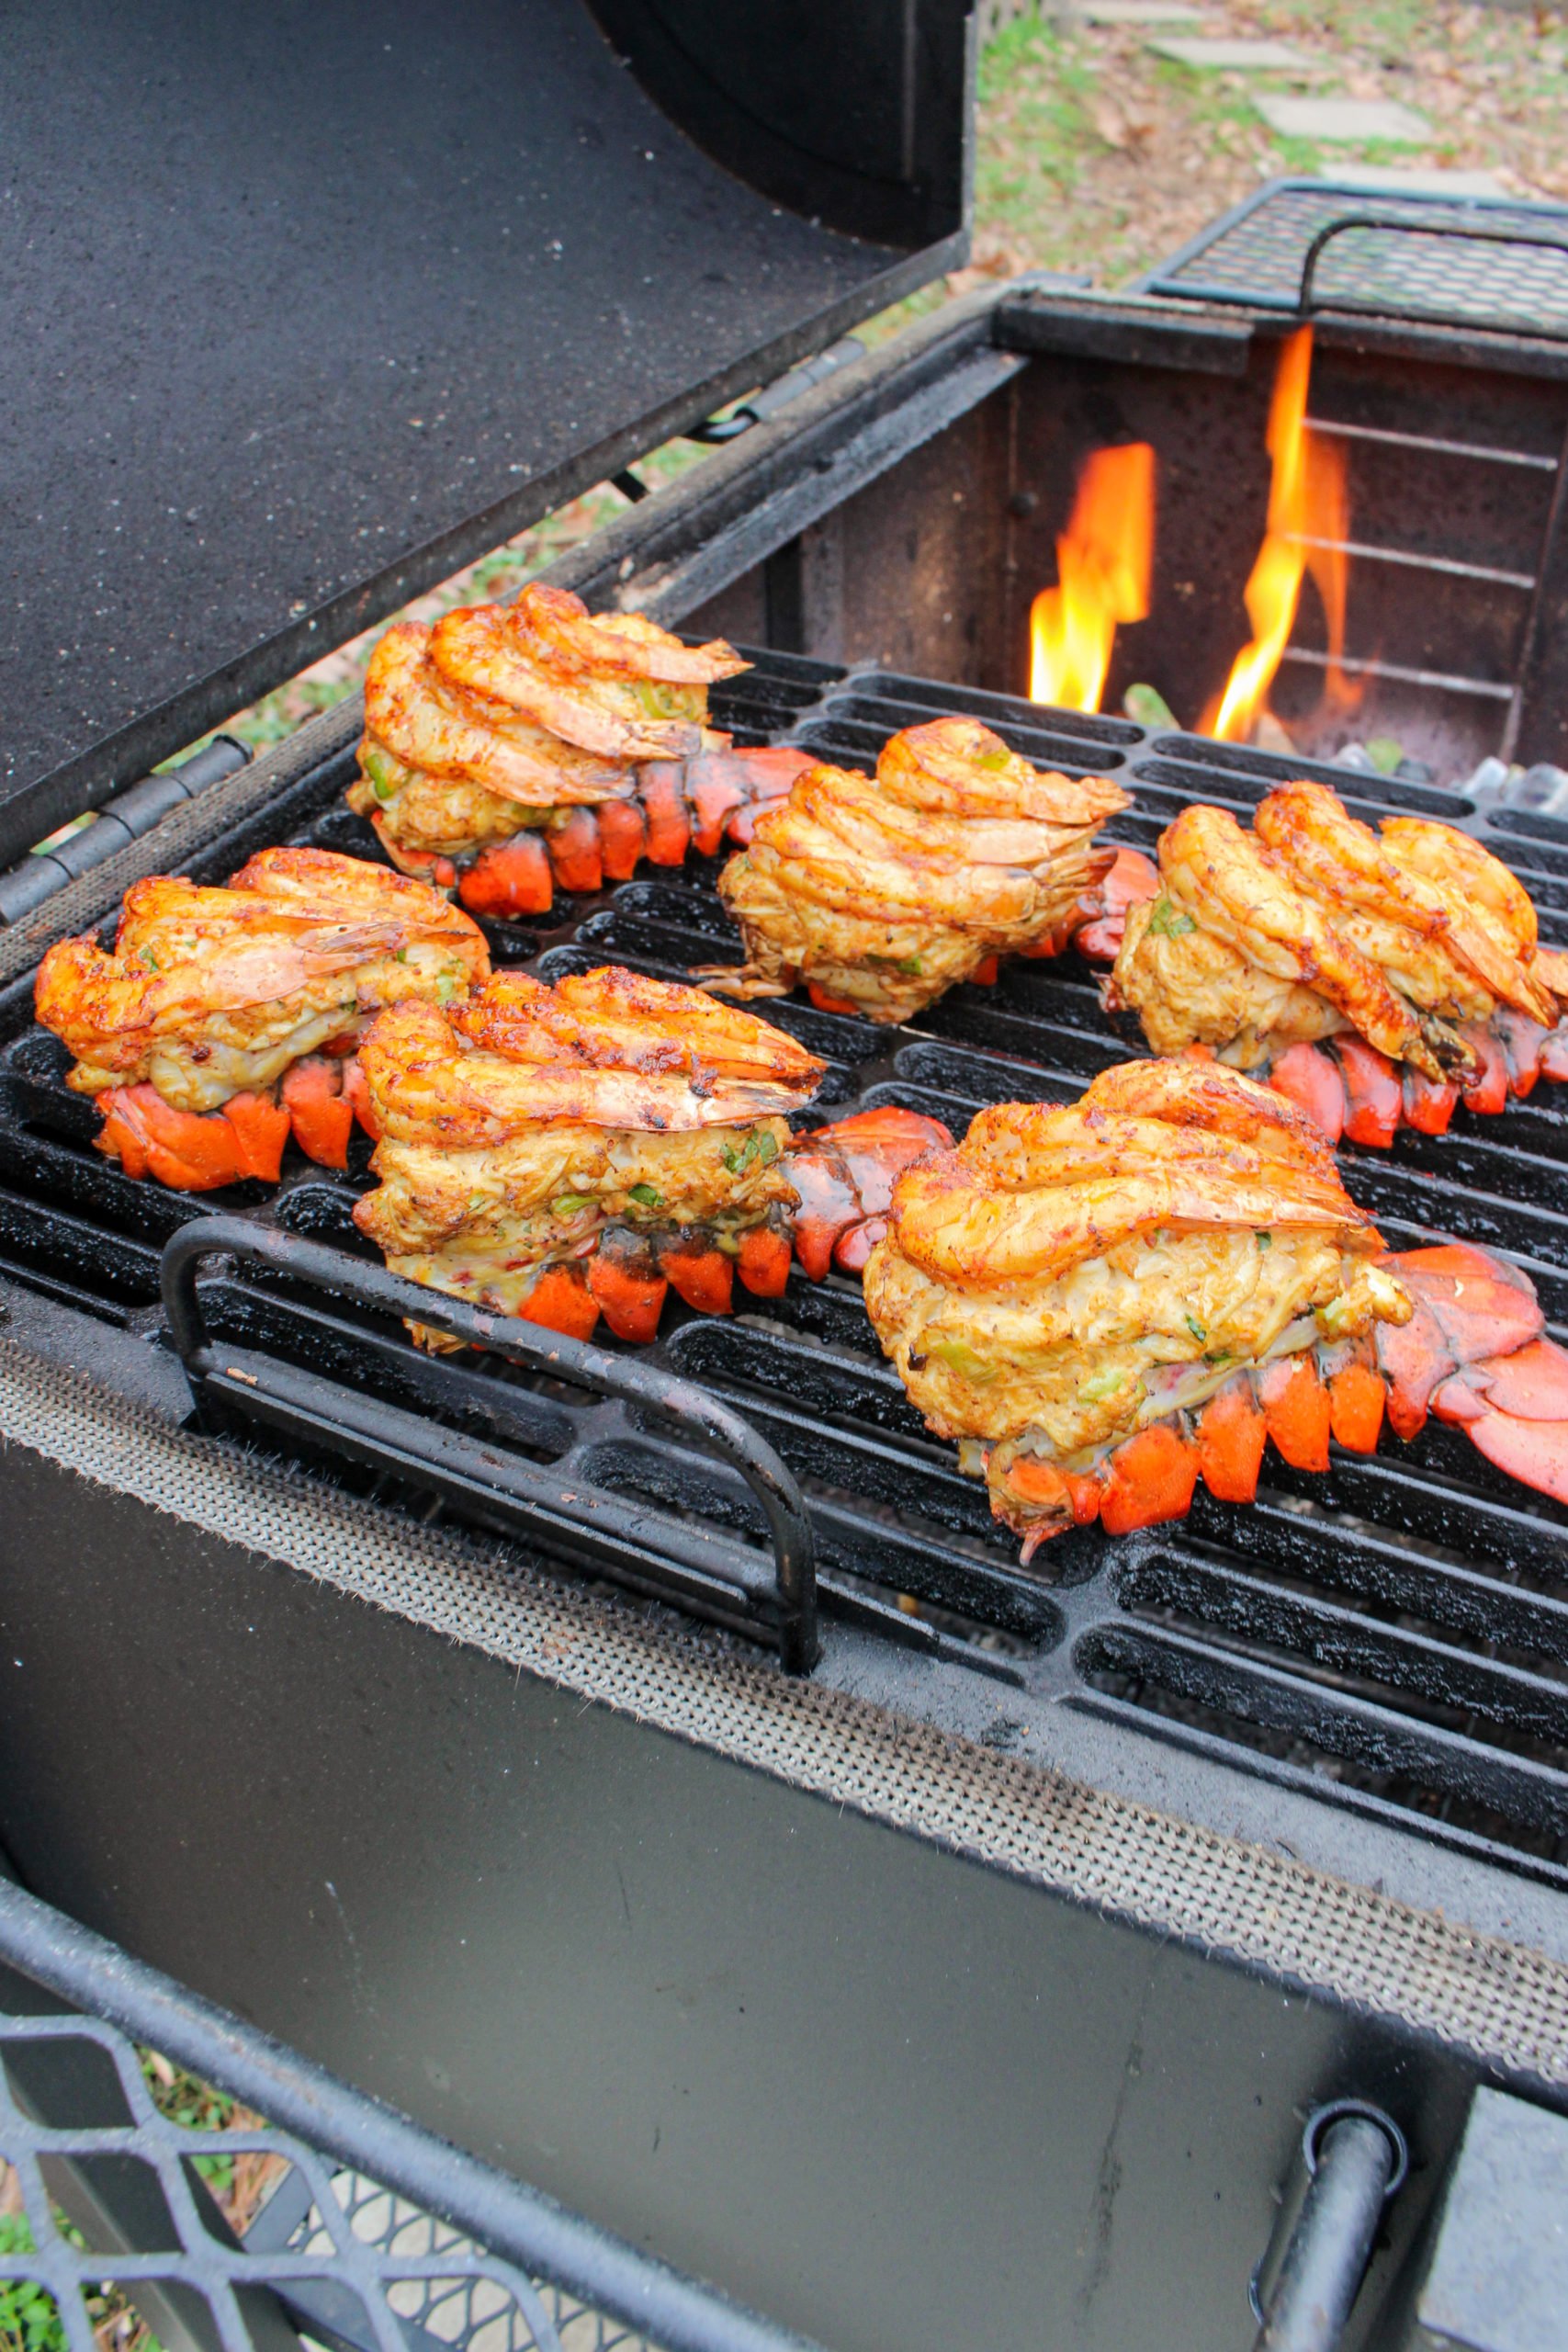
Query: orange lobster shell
pixel 1474 1355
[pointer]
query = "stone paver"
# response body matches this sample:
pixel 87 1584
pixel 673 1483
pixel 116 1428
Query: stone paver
pixel 1240 56
pixel 1383 179
pixel 1139 12
pixel 1357 120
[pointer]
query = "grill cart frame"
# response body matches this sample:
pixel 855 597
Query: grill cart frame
pixel 370 2222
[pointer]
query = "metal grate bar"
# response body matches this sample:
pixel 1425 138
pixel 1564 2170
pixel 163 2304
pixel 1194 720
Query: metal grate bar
pixel 1441 680
pixel 1484 452
pixel 1450 564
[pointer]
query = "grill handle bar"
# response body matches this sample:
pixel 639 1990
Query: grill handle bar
pixel 1307 301
pixel 678 1403
pixel 513 2221
pixel 1357 2159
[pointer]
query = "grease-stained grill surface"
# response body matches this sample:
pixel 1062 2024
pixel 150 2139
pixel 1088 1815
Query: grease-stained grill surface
pixel 1393 1634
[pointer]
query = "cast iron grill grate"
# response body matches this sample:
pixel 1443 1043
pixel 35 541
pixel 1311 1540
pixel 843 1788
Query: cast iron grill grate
pixel 1394 1635
pixel 1422 260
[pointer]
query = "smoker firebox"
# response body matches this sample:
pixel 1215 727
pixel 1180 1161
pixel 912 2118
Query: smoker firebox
pixel 1453 434
pixel 989 1968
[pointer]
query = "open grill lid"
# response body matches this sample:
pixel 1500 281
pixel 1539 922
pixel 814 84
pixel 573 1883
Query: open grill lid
pixel 309 306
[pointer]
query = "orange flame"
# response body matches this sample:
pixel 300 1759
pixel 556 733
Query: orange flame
pixel 1309 518
pixel 1103 560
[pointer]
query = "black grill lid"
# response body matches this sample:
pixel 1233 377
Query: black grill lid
pixel 307 305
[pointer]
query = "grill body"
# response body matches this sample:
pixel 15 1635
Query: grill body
pixel 989 1973
pixel 879 2091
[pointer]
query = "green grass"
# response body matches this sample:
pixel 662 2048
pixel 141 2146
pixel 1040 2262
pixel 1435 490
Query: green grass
pixel 1037 91
pixel 1392 26
pixel 1212 103
pixel 28 2320
pixel 29 2317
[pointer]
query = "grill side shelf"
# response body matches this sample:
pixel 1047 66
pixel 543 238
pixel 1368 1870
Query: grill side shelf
pixel 1261 254
pixel 694 1567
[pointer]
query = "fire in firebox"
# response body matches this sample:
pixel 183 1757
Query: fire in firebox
pixel 1308 526
pixel 1104 564
pixel 1103 561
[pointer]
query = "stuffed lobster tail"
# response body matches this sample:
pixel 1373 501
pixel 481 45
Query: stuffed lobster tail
pixel 1105 1303
pixel 1131 878
pixel 1375 978
pixel 843 1177
pixel 224 1021
pixel 511 751
pixel 567 1153
pixel 1473 1354
pixel 881 894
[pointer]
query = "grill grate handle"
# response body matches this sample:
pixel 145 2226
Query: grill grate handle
pixel 677 1403
pixel 1474 233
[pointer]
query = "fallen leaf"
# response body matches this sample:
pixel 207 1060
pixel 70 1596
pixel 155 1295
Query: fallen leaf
pixel 1110 122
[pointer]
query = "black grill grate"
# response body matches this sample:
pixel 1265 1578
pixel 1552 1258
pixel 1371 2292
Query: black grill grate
pixel 1422 262
pixel 1394 1635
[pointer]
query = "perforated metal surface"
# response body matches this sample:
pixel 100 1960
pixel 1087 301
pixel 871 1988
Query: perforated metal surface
pixel 1394 1635
pixel 437 2283
pixel 1255 255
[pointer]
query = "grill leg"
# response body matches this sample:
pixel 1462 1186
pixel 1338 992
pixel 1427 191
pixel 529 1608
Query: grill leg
pixel 1358 2160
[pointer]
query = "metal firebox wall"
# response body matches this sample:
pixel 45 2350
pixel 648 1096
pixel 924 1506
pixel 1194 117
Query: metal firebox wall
pixel 1457 555
pixel 878 2091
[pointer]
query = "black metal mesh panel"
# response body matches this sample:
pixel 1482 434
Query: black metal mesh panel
pixel 438 2283
pixel 1420 269
pixel 332 2254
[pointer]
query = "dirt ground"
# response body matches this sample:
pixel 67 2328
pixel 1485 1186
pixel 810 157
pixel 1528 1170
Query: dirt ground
pixel 1096 154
